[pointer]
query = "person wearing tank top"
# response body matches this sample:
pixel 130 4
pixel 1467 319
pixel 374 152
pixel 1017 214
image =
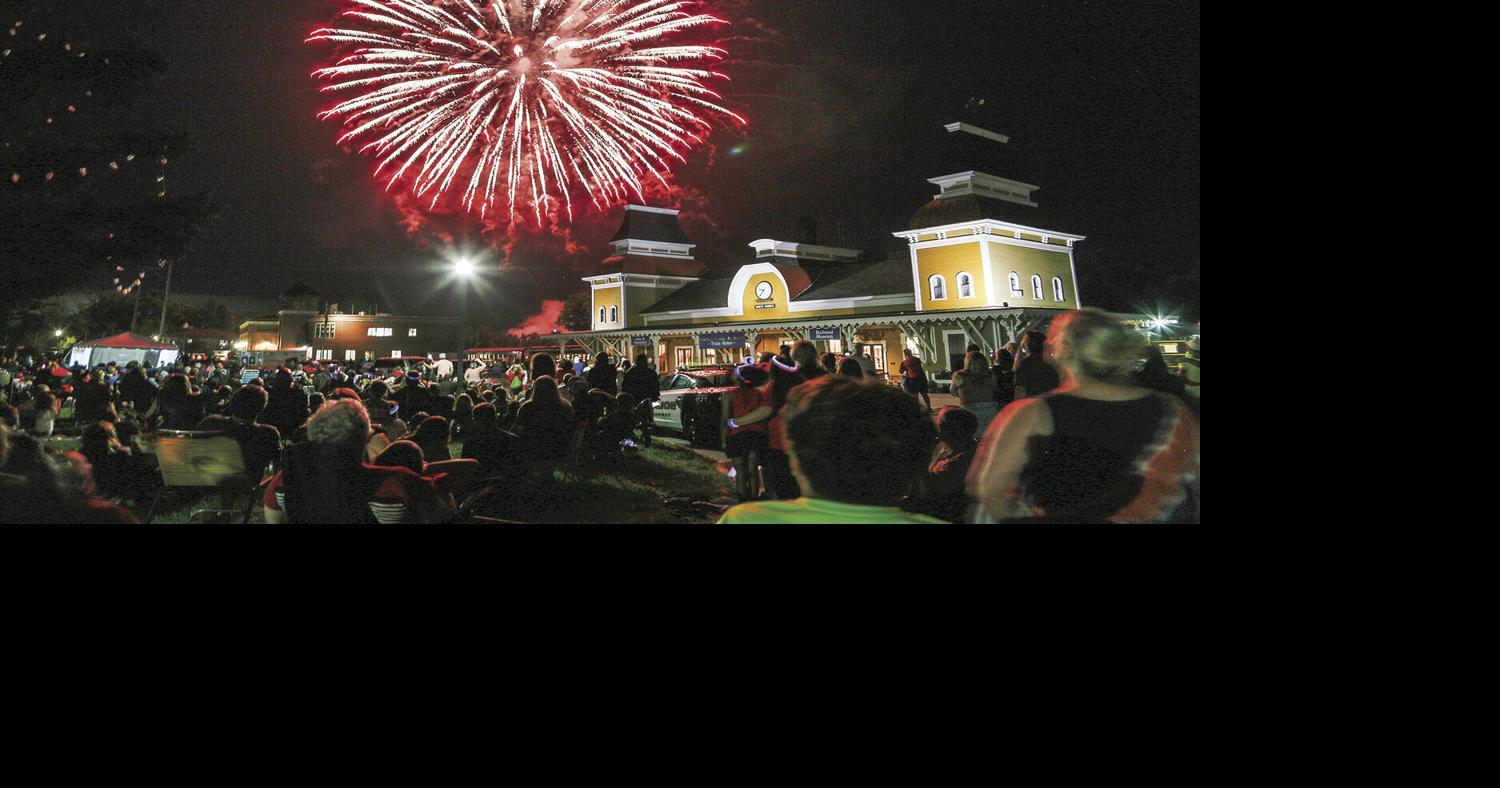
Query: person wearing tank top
pixel 1097 449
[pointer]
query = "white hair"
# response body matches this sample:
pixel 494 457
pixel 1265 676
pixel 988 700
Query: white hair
pixel 342 422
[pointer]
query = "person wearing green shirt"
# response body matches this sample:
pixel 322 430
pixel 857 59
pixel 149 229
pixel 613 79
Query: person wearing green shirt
pixel 856 447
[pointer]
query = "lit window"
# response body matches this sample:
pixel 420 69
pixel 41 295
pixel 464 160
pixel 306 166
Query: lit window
pixel 965 286
pixel 411 332
pixel 1036 287
pixel 379 332
pixel 351 355
pixel 324 355
pixel 939 288
pixel 1015 285
pixel 1057 289
pixel 323 331
pixel 614 314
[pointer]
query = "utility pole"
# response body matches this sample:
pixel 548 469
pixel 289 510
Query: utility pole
pixel 135 313
pixel 161 327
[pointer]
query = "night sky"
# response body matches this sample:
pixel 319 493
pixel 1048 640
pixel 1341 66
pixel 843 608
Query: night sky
pixel 846 99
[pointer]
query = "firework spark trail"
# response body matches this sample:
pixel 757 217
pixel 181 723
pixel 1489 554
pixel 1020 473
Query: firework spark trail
pixel 557 94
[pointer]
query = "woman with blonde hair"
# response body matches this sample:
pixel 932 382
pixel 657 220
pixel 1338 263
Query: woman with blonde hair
pixel 1097 449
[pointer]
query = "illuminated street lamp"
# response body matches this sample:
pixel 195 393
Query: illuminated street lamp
pixel 465 269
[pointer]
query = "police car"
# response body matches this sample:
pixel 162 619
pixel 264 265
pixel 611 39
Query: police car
pixel 695 403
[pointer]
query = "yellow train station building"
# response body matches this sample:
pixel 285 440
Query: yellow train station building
pixel 982 266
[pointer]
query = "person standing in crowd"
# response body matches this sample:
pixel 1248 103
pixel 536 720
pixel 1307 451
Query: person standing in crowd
pixel 866 364
pixel 286 406
pixel 780 480
pixel 1095 450
pixel 850 368
pixel 1034 376
pixel 1005 375
pixel 836 423
pixel 975 387
pixel 471 375
pixel 327 482
pixel 91 398
pixel 914 378
pixel 643 383
pixel 136 390
pixel 602 376
pixel 444 370
pixel 830 363
pixel 747 441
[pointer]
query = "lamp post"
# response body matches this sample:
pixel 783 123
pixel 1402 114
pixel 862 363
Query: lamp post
pixel 464 269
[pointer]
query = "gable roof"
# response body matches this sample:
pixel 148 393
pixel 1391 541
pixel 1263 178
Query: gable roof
pixel 651 226
pixel 702 294
pixel 887 277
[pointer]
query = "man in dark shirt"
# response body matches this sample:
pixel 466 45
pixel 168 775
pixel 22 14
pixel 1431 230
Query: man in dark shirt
pixel 643 383
pixel 603 375
pixel 90 398
pixel 1034 376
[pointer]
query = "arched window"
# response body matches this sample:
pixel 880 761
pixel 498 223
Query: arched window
pixel 1036 288
pixel 965 286
pixel 1057 289
pixel 939 288
pixel 614 314
pixel 601 314
pixel 1015 285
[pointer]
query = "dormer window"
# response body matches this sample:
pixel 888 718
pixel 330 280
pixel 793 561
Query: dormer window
pixel 1057 289
pixel 938 288
pixel 1036 287
pixel 614 314
pixel 601 314
pixel 1015 285
pixel 965 286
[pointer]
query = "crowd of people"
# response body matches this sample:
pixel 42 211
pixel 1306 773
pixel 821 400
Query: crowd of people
pixel 455 432
pixel 1084 423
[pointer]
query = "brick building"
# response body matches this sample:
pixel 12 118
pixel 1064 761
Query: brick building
pixel 307 326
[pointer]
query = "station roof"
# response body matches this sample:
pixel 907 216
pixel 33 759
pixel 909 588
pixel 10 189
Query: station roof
pixel 886 277
pixel 945 211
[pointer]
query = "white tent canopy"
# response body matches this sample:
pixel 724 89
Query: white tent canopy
pixel 122 349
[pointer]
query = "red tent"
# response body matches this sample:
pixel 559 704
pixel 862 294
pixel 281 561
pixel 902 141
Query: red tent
pixel 129 341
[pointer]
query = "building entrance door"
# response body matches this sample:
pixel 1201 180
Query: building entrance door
pixel 877 354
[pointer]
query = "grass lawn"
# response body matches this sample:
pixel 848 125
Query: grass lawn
pixel 633 490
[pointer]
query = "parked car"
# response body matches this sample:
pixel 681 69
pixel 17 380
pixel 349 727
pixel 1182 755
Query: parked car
pixel 695 403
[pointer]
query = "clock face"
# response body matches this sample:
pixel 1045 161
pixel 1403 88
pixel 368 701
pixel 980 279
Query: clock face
pixel 763 291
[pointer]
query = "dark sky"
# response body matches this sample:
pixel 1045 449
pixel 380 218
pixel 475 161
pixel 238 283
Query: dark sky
pixel 846 99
